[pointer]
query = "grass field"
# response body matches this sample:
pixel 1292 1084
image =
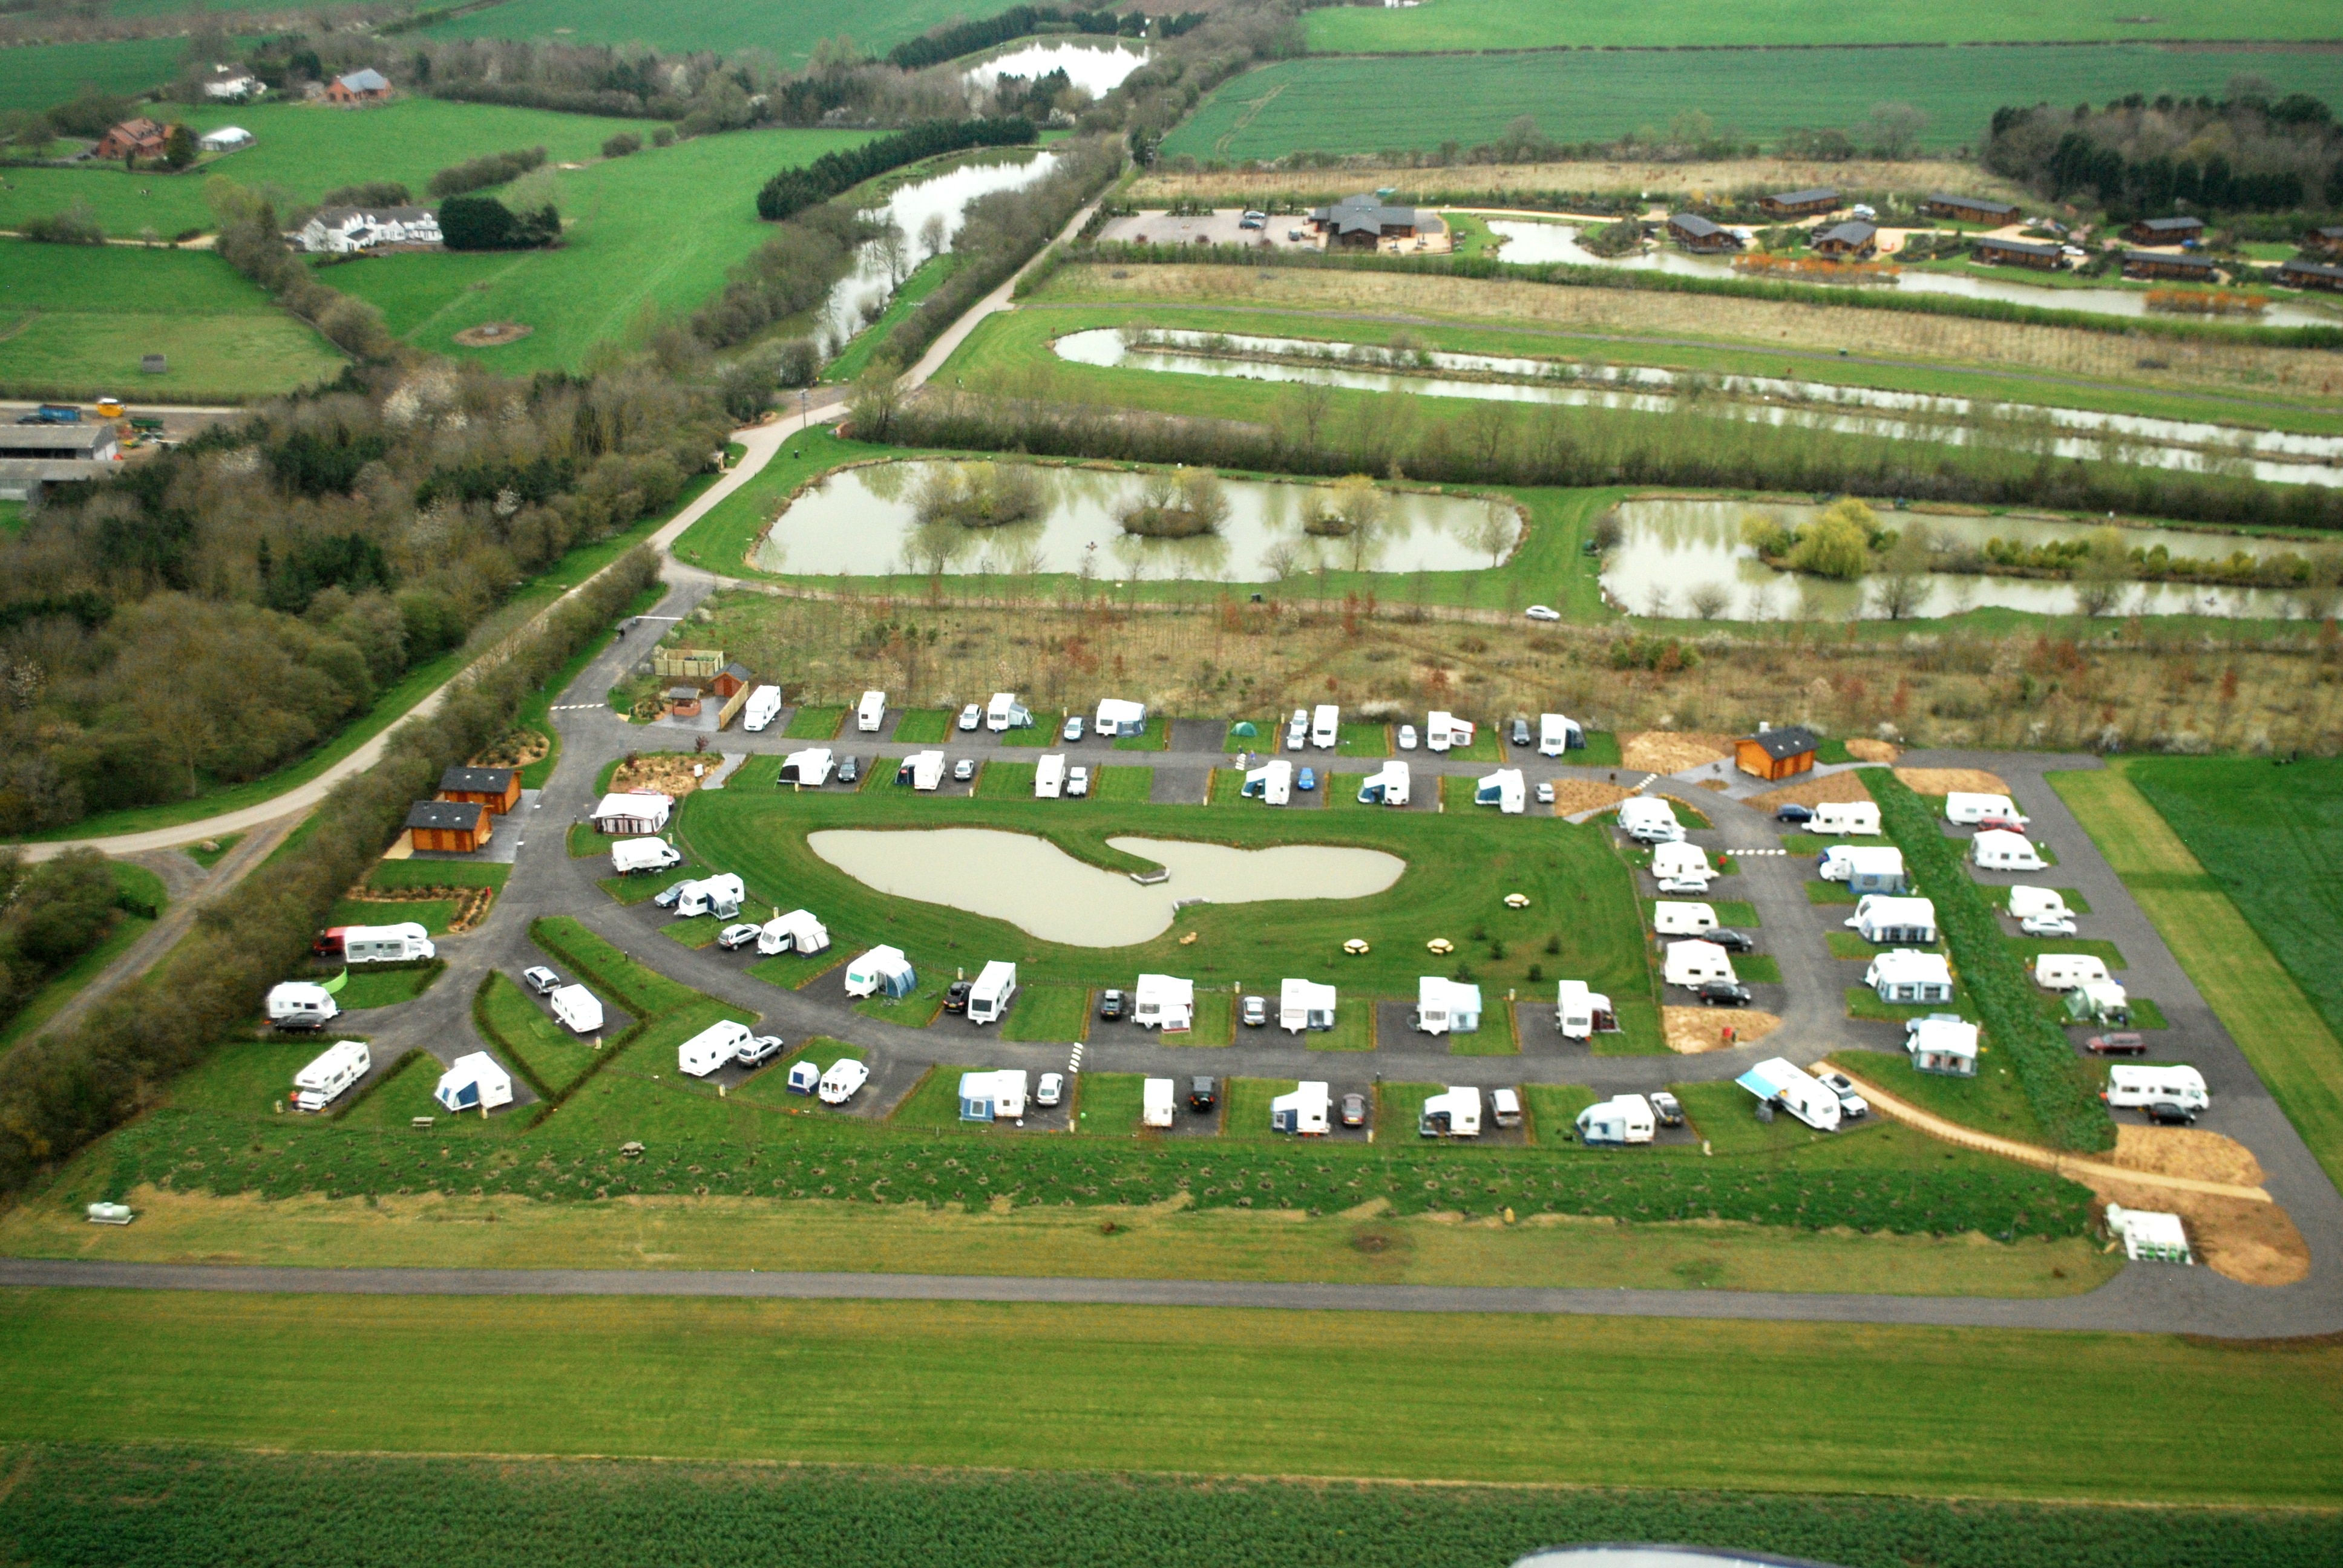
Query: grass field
pixel 1374 104
pixel 2194 874
pixel 75 321
pixel 786 29
pixel 385 988
pixel 1592 1401
pixel 40 76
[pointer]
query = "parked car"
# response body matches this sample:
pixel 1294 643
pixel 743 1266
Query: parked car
pixel 956 995
pixel 971 716
pixel 1682 885
pixel 1796 816
pixel 1731 940
pixel 758 1050
pixel 1545 793
pixel 1255 1012
pixel 1250 221
pixel 1722 993
pixel 2047 925
pixel 849 771
pixel 1995 822
pixel 1665 1108
pixel 2123 1043
pixel 737 936
pixel 2169 1113
pixel 1521 732
pixel 1203 1093
pixel 1543 612
pixel 1407 737
pixel 964 769
pixel 1305 780
pixel 1355 1111
pixel 1113 1004
pixel 1051 1089
pixel 1073 729
pixel 541 980
pixel 666 896
pixel 1851 1104
pixel 1078 783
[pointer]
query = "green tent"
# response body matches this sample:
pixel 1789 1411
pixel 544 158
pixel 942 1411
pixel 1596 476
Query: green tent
pixel 1244 726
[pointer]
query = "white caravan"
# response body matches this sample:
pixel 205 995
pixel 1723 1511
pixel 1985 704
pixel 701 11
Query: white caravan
pixel 2132 1086
pixel 2100 1003
pixel 1673 917
pixel 629 856
pixel 1580 1013
pixel 1942 1045
pixel 1164 1002
pixel 1504 791
pixel 1681 867
pixel 883 971
pixel 995 988
pixel 387 944
pixel 719 895
pixel 1885 918
pixel 1649 821
pixel 1901 976
pixel 1443 730
pixel 1389 787
pixel 921 770
pixel 1797 1092
pixel 1155 1102
pixel 1558 733
pixel 2065 972
pixel 811 767
pixel 985 1096
pixel 1695 963
pixel 1451 1113
pixel 795 932
pixel 1845 817
pixel 2026 903
pixel 1304 1004
pixel 844 1079
pixel 870 712
pixel 474 1082
pixel 1863 868
pixel 764 706
pixel 298 1004
pixel 579 1009
pixel 1271 783
pixel 1995 851
pixel 1050 777
pixel 1118 716
pixel 326 1080
pixel 1621 1118
pixel 1325 726
pixel 711 1048
pixel 1005 712
pixel 1446 1007
pixel 1302 1112
pixel 1967 810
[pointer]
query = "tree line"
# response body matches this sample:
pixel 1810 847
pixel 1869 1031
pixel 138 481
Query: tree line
pixel 2140 158
pixel 50 914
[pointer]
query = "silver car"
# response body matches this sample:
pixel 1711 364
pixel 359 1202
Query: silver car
pixel 971 716
pixel 541 980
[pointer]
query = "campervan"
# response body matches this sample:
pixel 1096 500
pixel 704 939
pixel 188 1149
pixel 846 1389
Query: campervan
pixel 995 988
pixel 1967 810
pixel 1671 918
pixel 1695 963
pixel 1451 1113
pixel 474 1082
pixel 711 1048
pixel 1303 1113
pixel 764 706
pixel 1155 1102
pixel 1446 1007
pixel 1005 712
pixel 718 895
pixel 1050 777
pixel 882 972
pixel 1621 1118
pixel 809 766
pixel 325 1081
pixel 1388 788
pixel 921 770
pixel 2131 1087
pixel 1649 821
pixel 1580 1013
pixel 1325 726
pixel 1884 917
pixel 577 1008
pixel 844 1079
pixel 298 1004
pixel 1804 1096
pixel 385 944
pixel 1271 783
pixel 1995 851
pixel 629 856
pixel 870 712
pixel 795 932
pixel 1865 867
pixel 1304 1004
pixel 1166 1003
pixel 1504 791
pixel 1117 716
pixel 985 1096
pixel 1845 817
pixel 1558 733
pixel 1681 867
pixel 2026 903
pixel 2065 972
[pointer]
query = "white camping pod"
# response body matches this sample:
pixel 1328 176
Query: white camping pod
pixel 1621 1118
pixel 764 706
pixel 1580 1013
pixel 1995 851
pixel 326 1080
pixel 1680 863
pixel 387 944
pixel 1005 712
pixel 1797 1092
pixel 578 1008
pixel 995 988
pixel 1558 733
pixel 1673 917
pixel 1695 963
pixel 810 768
pixel 987 1096
pixel 629 856
pixel 1302 1112
pixel 804 1077
pixel 2065 972
pixel 1454 1113
pixel 1164 1002
pixel 1325 726
pixel 844 1079
pixel 1943 1045
pixel 1388 788
pixel 795 932
pixel 297 1004
pixel 1886 918
pixel 1050 777
pixel 1119 715
pixel 1304 1004
pixel 870 712
pixel 720 895
pixel 474 1082
pixel 1902 976
pixel 1155 1107
pixel 711 1048
pixel 1272 784
pixel 1967 808
pixel 1504 791
pixel 922 769
pixel 2136 1086
pixel 1444 1006
pixel 1845 817
pixel 2026 903
pixel 882 972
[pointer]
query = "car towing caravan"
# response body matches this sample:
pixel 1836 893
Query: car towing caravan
pixel 1623 1119
pixel 1504 789
pixel 1386 788
pixel 1271 783
pixel 1558 733
pixel 298 1004
pixel 1303 1113
pixel 1454 1113
pixel 387 944
pixel 1580 1013
pixel 870 712
pixel 326 1080
pixel 1777 1081
pixel 1325 726
pixel 1004 712
pixel 995 988
pixel 764 706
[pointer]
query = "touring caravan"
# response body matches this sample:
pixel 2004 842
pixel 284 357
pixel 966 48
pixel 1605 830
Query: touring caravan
pixel 1995 851
pixel 1050 777
pixel 387 944
pixel 1325 726
pixel 870 712
pixel 1649 821
pixel 987 1096
pixel 1451 1113
pixel 719 895
pixel 633 812
pixel 474 1082
pixel 579 1009
pixel 1443 730
pixel 1673 917
pixel 1865 867
pixel 795 932
pixel 1681 867
pixel 2026 903
pixel 2099 1001
pixel 995 988
pixel 2149 1237
pixel 1164 1002
pixel 1901 977
pixel 1504 791
pixel 1302 1112
pixel 2065 972
pixel 1942 1045
pixel 2129 1088
pixel 1860 817
pixel 629 856
pixel 1967 810
pixel 764 706
pixel 1798 1092
pixel 1156 1103
pixel 1117 716
pixel 326 1080
pixel 1621 1118
pixel 1304 1004
pixel 1695 963
pixel 1004 712
pixel 922 770
pixel 1558 733
pixel 882 972
pixel 1580 1013
pixel 1883 918
pixel 1271 783
pixel 711 1048
pixel 298 1004
pixel 1388 786
pixel 810 768
pixel 1446 1006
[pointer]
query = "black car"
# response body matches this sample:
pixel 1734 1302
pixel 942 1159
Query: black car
pixel 1521 732
pixel 1355 1111
pixel 956 995
pixel 1722 993
pixel 1110 1004
pixel 1203 1093
pixel 849 771
pixel 1797 816
pixel 1665 1108
pixel 2166 1114
pixel 1731 940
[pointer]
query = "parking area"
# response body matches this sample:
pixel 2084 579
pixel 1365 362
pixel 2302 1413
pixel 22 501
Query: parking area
pixel 1223 226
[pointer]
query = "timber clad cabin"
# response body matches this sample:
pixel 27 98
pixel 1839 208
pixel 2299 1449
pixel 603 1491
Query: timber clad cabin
pixel 1969 210
pixel 2329 239
pixel 1800 203
pixel 497 788
pixel 2300 274
pixel 1364 223
pixel 2160 264
pixel 731 679
pixel 2023 253
pixel 1853 240
pixel 1693 232
pixel 2167 230
pixel 1776 753
pixel 456 827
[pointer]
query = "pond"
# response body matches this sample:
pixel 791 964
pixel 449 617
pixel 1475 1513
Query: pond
pixel 862 294
pixel 1529 243
pixel 1098 68
pixel 862 521
pixel 1669 550
pixel 2188 446
pixel 1039 889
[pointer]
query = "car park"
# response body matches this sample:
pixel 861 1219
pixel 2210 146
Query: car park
pixel 2121 1043
pixel 1545 793
pixel 956 995
pixel 1073 729
pixel 1305 780
pixel 1255 1012
pixel 2169 1113
pixel 1850 1103
pixel 1113 1004
pixel 1795 815
pixel 1731 940
pixel 758 1050
pixel 1203 1093
pixel 1666 1110
pixel 1355 1111
pixel 964 771
pixel 665 898
pixel 1543 612
pixel 1722 993
pixel 1051 1089
pixel 1521 733
pixel 849 771
pixel 2047 925
pixel 1407 737
pixel 1078 783
pixel 971 716
pixel 541 980
pixel 737 936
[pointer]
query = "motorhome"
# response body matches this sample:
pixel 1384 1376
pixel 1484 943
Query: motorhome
pixel 1681 867
pixel 1649 821
pixel 764 706
pixel 1966 809
pixel 579 1009
pixel 989 1096
pixel 326 1080
pixel 1443 731
pixel 1271 783
pixel 629 856
pixel 1942 1045
pixel 1454 1113
pixel 2026 903
pixel 1901 977
pixel 387 944
pixel 1580 1013
pixel 1325 726
pixel 1859 817
pixel 1504 791
pixel 1303 1113
pixel 1865 867
pixel 795 932
pixel 1164 1002
pixel 870 712
pixel 1304 1004
pixel 1117 716
pixel 711 1048
pixel 922 770
pixel 1804 1096
pixel 882 972
pixel 474 1082
pixel 995 988
pixel 2100 1002
pixel 720 895
pixel 1558 733
pixel 1446 1007
pixel 1995 851
pixel 2129 1087
pixel 1623 1119
pixel 1673 917
pixel 1004 712
pixel 2065 972
pixel 1388 788
pixel 844 1079
pixel 1884 917
pixel 1695 963
pixel 298 1004
pixel 810 768
pixel 1050 777
pixel 1157 1105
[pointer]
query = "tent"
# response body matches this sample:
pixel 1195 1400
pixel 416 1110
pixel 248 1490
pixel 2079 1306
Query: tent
pixel 474 1082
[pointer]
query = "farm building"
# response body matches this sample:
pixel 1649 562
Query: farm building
pixel 2167 230
pixel 1968 209
pixel 1364 222
pixel 1776 753
pixel 2301 274
pixel 226 140
pixel 358 88
pixel 1693 232
pixel 339 230
pixel 1942 1045
pixel 2329 239
pixel 91 443
pixel 138 138
pixel 457 827
pixel 1853 240
pixel 634 814
pixel 231 84
pixel 1800 203
pixel 1903 975
pixel 2020 253
pixel 2164 264
pixel 497 788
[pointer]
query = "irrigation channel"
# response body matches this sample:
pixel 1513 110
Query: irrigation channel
pixel 861 296
pixel 865 521
pixel 1530 243
pixel 2186 445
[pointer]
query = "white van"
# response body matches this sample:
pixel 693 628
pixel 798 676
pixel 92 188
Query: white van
pixel 1005 712
pixel 1671 918
pixel 870 712
pixel 1623 1119
pixel 578 1008
pixel 297 1004
pixel 2132 1086
pixel 1695 963
pixel 1325 726
pixel 387 944
pixel 1995 851
pixel 764 706
pixel 711 1048
pixel 1155 1102
pixel 1967 810
pixel 995 988
pixel 629 856
pixel 1845 817
pixel 2065 972
pixel 1558 733
pixel 844 1079
pixel 326 1080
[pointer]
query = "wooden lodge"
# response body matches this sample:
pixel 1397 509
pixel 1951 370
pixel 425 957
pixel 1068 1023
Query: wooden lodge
pixel 1800 203
pixel 1775 754
pixel 2327 240
pixel 1362 223
pixel 1696 233
pixel 497 788
pixel 2020 253
pixel 2164 264
pixel 1969 210
pixel 1853 240
pixel 2301 274
pixel 2167 230
pixel 456 827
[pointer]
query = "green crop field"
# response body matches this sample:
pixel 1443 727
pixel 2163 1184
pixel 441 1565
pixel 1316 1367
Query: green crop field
pixel 75 321
pixel 38 76
pixel 786 29
pixel 1370 104
pixel 1677 23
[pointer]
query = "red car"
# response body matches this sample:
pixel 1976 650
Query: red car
pixel 2116 1045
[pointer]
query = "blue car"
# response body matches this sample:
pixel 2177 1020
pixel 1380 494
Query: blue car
pixel 1306 780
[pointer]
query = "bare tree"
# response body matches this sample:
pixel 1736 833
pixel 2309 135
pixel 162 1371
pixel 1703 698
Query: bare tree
pixel 932 237
pixel 1709 600
pixel 893 252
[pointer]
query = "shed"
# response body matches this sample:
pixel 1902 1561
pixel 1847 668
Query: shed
pixel 92 442
pixel 2167 230
pixel 1800 203
pixel 1166 1003
pixel 636 813
pixel 2149 1237
pixel 1851 240
pixel 1968 209
pixel 986 1096
pixel 730 679
pixel 454 827
pixel 1304 1111
pixel 1447 1007
pixel 1304 1004
pixel 474 1082
pixel 1693 232
pixel 1776 753
pixel 1942 1045
pixel 1904 976
pixel 497 788
pixel 2021 252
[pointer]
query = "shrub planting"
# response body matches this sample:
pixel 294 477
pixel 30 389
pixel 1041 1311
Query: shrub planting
pixel 480 173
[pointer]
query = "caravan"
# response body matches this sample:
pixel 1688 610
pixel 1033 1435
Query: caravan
pixel 298 1004
pixel 1166 1003
pixel 1865 867
pixel 1681 867
pixel 2100 1003
pixel 2035 903
pixel 870 712
pixel 1882 917
pixel 1671 918
pixel 474 1082
pixel 629 856
pixel 1451 1113
pixel 796 932
pixel 1325 726
pixel 1443 730
pixel 1901 977
pixel 1504 791
pixel 1996 850
pixel 1695 963
pixel 1156 1105
pixel 2133 1088
pixel 1558 733
pixel 1580 1013
pixel 711 1048
pixel 810 768
pixel 1967 809
pixel 2065 972
pixel 995 988
pixel 1271 783
pixel 1845 817
pixel 1302 1112
pixel 763 707
pixel 1050 777
pixel 719 895
pixel 882 972
pixel 578 1008
pixel 1649 821
pixel 987 1096
pixel 921 770
pixel 1388 788
pixel 1776 1081
pixel 1304 1005
pixel 1446 1006
pixel 1118 717
pixel 1004 712
pixel 385 944
pixel 1621 1118
pixel 325 1081
pixel 1942 1045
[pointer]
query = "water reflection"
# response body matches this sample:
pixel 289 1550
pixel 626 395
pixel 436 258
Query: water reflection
pixel 881 265
pixel 1097 68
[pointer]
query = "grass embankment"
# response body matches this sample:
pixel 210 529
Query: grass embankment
pixel 2251 875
